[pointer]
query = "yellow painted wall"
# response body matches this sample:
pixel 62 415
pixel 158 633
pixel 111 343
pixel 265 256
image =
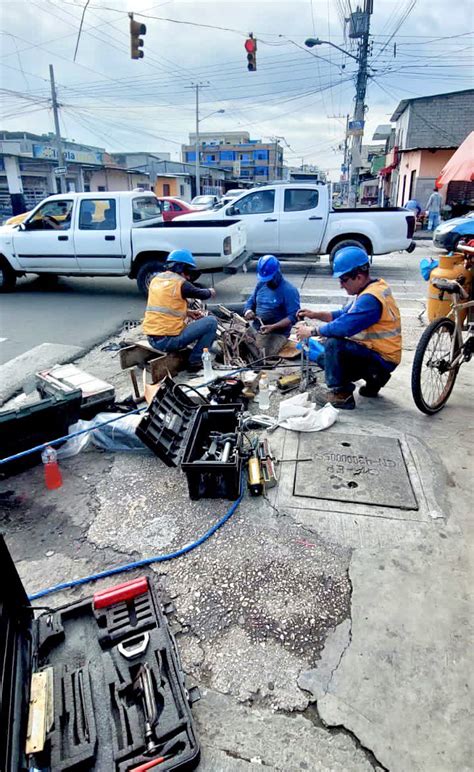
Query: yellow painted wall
pixel 173 186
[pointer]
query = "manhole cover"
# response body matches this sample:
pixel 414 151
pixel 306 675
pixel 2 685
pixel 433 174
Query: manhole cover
pixel 360 469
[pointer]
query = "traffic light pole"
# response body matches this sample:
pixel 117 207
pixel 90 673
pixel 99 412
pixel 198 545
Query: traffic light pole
pixel 198 145
pixel 59 144
pixel 196 87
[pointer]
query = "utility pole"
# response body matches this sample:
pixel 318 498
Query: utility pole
pixel 345 187
pixel 59 144
pixel 360 27
pixel 196 87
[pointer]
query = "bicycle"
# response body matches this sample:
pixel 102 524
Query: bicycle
pixel 442 349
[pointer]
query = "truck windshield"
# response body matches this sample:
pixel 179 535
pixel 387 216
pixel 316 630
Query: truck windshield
pixel 145 208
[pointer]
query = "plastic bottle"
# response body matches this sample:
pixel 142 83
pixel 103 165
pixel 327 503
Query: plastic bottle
pixel 263 392
pixel 207 364
pixel 52 474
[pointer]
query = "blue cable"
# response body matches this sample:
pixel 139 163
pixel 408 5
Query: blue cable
pixel 141 563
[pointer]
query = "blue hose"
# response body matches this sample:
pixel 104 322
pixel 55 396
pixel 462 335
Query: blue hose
pixel 141 563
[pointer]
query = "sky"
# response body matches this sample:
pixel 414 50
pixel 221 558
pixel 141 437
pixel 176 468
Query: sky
pixel 418 47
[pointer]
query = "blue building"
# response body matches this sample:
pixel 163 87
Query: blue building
pixel 249 160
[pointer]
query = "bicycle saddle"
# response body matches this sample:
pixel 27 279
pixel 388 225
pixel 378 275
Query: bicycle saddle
pixel 447 286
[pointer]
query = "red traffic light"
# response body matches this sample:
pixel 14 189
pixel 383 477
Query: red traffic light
pixel 251 48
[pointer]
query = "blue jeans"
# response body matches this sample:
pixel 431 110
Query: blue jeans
pixel 433 220
pixel 203 331
pixel 345 361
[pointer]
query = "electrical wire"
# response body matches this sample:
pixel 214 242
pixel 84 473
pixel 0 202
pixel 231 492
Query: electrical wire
pixel 145 561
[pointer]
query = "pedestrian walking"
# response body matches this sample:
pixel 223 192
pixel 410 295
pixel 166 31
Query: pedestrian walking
pixel 433 207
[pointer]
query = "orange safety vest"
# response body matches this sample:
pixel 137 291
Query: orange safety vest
pixel 385 336
pixel 166 309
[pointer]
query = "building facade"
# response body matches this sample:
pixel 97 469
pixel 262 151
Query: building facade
pixel 428 130
pixel 247 160
pixel 28 164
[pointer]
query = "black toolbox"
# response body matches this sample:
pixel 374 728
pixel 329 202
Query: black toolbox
pixel 177 430
pixel 25 427
pixel 95 685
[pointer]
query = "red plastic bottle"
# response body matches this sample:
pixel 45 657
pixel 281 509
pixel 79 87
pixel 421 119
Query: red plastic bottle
pixel 52 474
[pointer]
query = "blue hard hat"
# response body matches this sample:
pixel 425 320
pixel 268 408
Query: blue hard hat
pixel 181 256
pixel 348 258
pixel 267 268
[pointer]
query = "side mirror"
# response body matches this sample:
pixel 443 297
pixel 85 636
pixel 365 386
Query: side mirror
pixel 21 226
pixel 231 211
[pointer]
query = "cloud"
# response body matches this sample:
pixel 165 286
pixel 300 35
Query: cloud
pixel 109 99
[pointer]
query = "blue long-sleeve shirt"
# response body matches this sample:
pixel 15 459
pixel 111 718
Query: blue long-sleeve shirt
pixel 273 305
pixel 363 312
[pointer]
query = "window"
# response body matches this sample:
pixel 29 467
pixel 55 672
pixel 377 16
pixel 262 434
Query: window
pixel 167 206
pixel 181 190
pixel 260 155
pixel 298 199
pixel 191 156
pixel 97 214
pixel 166 189
pixel 54 215
pixel 101 188
pixel 412 184
pixel 227 155
pixel 145 208
pixel 260 202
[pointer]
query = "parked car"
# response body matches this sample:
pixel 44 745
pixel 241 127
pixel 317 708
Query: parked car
pixel 174 207
pixel 112 234
pixel 204 202
pixel 298 219
pixel 230 195
pixel 451 232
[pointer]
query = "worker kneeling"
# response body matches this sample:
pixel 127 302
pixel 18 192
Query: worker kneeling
pixel 167 310
pixel 363 339
pixel 273 305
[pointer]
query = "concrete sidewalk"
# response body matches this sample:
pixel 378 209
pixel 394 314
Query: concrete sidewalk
pixel 326 633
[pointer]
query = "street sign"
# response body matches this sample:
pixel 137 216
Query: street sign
pixel 355 128
pixel 60 171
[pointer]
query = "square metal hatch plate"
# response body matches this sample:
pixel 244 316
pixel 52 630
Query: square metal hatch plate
pixel 353 468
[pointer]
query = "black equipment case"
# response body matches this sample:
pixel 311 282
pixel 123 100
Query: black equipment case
pixel 177 430
pixel 95 685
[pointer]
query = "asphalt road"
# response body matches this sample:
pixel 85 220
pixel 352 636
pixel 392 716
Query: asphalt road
pixel 84 311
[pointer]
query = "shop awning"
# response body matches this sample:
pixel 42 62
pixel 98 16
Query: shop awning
pixel 460 167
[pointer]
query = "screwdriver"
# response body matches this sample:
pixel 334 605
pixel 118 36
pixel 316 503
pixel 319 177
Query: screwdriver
pixel 152 763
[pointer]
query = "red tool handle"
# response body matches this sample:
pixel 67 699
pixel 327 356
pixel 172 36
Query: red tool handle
pixel 150 764
pixel 121 592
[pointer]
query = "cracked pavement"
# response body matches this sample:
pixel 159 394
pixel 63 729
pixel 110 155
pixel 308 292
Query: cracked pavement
pixel 322 638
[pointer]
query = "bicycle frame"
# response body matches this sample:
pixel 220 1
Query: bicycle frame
pixel 458 341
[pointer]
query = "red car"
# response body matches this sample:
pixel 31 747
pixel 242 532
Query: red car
pixel 173 207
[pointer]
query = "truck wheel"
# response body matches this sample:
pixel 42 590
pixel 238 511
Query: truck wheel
pixel 145 275
pixel 345 243
pixel 7 277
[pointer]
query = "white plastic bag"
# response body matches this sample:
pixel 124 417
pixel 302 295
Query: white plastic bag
pixel 116 436
pixel 300 415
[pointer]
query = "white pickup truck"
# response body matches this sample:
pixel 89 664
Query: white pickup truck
pixel 112 234
pixel 297 219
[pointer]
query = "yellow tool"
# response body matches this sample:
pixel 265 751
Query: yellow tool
pixel 255 481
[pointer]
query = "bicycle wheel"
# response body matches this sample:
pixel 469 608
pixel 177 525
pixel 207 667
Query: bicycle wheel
pixel 432 377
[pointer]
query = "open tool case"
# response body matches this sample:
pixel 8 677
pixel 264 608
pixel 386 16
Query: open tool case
pixel 95 685
pixel 178 431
